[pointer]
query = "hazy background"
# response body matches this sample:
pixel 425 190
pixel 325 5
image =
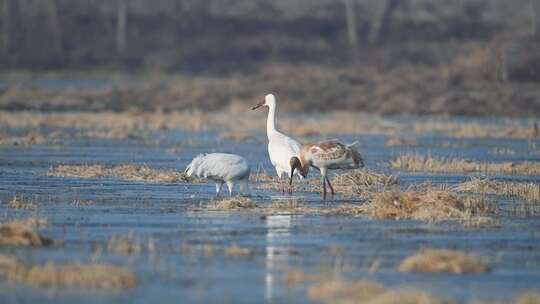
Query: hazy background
pixel 466 57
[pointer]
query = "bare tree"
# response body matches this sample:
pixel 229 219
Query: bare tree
pixel 54 24
pixel 121 26
pixel 350 11
pixel 5 26
pixel 386 19
pixel 534 8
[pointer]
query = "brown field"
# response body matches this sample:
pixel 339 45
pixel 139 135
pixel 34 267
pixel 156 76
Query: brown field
pixel 448 261
pixel 420 163
pixel 50 275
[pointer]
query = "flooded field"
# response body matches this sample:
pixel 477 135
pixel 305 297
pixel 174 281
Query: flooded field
pixel 160 229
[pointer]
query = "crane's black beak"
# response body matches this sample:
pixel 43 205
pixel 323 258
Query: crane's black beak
pixel 295 164
pixel 260 104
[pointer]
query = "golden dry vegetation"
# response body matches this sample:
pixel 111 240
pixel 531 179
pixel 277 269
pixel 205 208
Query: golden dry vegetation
pixel 420 163
pixel 137 124
pixel 125 172
pixel 22 203
pixel 51 275
pixel 125 245
pixel 232 203
pixel 23 233
pixel 428 205
pixel 395 141
pixel 339 291
pixel 236 251
pixel 528 191
pixel 441 260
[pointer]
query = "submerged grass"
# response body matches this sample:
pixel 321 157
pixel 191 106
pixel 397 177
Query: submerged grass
pixel 22 203
pixel 125 172
pixel 50 275
pixel 420 163
pixel 124 245
pixel 23 233
pixel 401 142
pixel 236 251
pixel 438 260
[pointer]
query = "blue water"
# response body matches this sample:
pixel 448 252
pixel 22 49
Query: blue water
pixel 165 214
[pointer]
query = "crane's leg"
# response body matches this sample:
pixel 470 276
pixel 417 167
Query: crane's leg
pixel 244 187
pixel 282 181
pixel 323 175
pixel 324 188
pixel 230 186
pixel 218 188
pixel 330 185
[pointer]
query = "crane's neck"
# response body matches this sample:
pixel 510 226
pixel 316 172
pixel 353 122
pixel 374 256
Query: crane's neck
pixel 270 122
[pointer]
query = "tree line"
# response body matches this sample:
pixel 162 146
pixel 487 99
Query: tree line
pixel 197 34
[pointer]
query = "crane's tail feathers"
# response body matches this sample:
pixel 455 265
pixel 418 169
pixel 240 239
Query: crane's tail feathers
pixel 193 165
pixel 353 144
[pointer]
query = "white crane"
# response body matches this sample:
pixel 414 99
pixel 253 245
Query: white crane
pixel 281 148
pixel 221 168
pixel 325 155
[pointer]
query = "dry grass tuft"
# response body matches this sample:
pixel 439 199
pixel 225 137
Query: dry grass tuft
pixel 447 261
pixel 124 245
pixel 32 138
pixel 340 291
pixel 125 172
pixel 416 162
pixel 476 129
pixel 527 191
pixel 527 298
pixel 22 233
pixel 232 203
pixel 408 297
pixel 295 277
pixel 432 205
pixel 525 210
pixel 362 182
pixel 401 142
pixel 426 205
pixel 21 203
pixel 287 204
pixel 481 222
pixel 237 136
pixel 91 276
pixel 235 251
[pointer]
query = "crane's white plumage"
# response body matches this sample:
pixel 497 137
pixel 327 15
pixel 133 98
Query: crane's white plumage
pixel 221 168
pixel 280 146
pixel 326 155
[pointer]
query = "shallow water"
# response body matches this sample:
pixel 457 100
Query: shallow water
pixel 163 213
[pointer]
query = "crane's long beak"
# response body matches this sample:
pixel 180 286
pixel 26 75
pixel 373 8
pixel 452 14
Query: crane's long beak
pixel 292 174
pixel 260 104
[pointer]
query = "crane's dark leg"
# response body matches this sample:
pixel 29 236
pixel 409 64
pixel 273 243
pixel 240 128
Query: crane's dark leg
pixel 330 185
pixel 324 188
